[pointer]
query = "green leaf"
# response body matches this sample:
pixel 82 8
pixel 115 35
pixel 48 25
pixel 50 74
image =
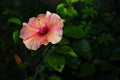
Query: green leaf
pixel 16 36
pixel 42 78
pixel 30 78
pixel 83 49
pixel 41 68
pixel 55 61
pixel 87 69
pixel 73 62
pixel 68 1
pixel 54 78
pixel 64 41
pixel 105 38
pixel 85 45
pixel 66 12
pixel 72 12
pixel 88 12
pixel 74 1
pixel 115 54
pixel 87 2
pixel 106 66
pixel 24 65
pixel 15 21
pixel 64 49
pixel 60 7
pixel 74 32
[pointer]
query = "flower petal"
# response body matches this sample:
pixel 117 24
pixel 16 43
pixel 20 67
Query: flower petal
pixel 27 31
pixel 55 35
pixel 41 19
pixel 47 13
pixel 33 22
pixel 53 19
pixel 35 42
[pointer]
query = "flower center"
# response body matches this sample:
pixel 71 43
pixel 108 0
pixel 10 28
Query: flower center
pixel 43 30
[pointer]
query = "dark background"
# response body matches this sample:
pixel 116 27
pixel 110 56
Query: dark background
pixel 103 47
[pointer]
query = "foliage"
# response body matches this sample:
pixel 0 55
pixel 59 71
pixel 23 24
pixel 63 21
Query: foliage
pixel 89 49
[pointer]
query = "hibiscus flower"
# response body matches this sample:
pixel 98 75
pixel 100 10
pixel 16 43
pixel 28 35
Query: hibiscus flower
pixel 41 30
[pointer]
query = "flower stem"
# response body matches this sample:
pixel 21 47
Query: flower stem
pixel 42 58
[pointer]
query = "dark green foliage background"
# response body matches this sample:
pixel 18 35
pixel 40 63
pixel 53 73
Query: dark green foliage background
pixel 89 50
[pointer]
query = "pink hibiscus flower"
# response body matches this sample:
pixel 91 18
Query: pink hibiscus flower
pixel 41 30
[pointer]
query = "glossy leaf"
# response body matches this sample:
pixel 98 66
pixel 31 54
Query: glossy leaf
pixel 16 36
pixel 74 1
pixel 74 32
pixel 73 62
pixel 15 21
pixel 55 61
pixel 72 12
pixel 54 78
pixel 66 50
pixel 41 68
pixel 68 1
pixel 60 8
pixel 83 49
pixel 66 11
pixel 64 41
